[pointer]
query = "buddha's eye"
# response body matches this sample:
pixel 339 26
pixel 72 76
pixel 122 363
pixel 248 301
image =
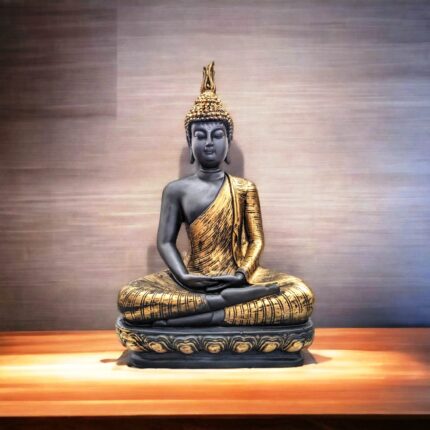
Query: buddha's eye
pixel 199 135
pixel 219 134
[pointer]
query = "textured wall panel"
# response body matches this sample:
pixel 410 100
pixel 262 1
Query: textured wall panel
pixel 331 103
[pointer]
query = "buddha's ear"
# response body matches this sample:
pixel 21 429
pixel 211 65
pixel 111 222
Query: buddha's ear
pixel 192 159
pixel 227 157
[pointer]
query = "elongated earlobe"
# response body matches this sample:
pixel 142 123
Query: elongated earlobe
pixel 227 156
pixel 192 159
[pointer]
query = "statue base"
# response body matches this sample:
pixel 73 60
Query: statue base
pixel 214 347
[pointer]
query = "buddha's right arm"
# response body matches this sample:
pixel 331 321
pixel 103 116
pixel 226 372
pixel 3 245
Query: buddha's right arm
pixel 168 229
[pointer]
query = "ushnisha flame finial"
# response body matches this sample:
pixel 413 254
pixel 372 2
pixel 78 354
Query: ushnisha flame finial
pixel 208 83
pixel 208 106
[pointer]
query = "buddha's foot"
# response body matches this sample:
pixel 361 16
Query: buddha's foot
pixel 217 303
pixel 234 296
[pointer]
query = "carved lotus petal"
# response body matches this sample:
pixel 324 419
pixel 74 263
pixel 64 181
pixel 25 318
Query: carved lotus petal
pixel 295 346
pixel 158 346
pixel 242 346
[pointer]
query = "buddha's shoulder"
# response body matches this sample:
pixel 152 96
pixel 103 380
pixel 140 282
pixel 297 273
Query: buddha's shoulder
pixel 178 186
pixel 242 183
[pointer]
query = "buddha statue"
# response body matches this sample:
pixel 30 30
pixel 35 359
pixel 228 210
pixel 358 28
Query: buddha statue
pixel 216 306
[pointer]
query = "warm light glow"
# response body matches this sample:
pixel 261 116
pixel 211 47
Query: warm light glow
pixel 351 371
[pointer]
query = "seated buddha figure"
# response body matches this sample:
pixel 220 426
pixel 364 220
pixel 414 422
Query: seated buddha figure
pixel 220 281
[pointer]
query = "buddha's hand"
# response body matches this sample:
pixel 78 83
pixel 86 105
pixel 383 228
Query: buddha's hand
pixel 198 282
pixel 227 281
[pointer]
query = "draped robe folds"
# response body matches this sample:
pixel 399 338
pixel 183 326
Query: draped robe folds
pixel 226 237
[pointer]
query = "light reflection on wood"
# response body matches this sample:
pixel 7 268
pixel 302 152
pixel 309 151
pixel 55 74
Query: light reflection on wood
pixel 352 371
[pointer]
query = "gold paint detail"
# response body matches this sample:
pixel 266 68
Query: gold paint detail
pixel 131 340
pixel 214 348
pixel 187 345
pixel 186 348
pixel 158 296
pixel 214 345
pixel 208 106
pixel 240 347
pixel 208 82
pixel 285 339
pixel 158 347
pixel 226 237
pixel 270 345
pixel 295 346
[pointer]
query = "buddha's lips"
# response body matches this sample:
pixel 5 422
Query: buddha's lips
pixel 209 152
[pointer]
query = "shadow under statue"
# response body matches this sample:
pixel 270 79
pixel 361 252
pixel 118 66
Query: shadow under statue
pixel 217 307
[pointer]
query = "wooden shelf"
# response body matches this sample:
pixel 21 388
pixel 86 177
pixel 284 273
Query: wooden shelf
pixel 349 371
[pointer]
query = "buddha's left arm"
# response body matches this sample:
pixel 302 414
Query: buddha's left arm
pixel 254 232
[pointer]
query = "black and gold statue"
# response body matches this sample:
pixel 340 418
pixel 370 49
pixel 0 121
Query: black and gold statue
pixel 217 307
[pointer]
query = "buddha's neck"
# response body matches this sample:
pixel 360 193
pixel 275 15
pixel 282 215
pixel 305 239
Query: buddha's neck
pixel 210 174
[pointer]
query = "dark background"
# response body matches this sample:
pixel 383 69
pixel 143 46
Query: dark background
pixel 331 103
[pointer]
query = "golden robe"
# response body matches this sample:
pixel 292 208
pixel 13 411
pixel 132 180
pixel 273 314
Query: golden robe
pixel 226 237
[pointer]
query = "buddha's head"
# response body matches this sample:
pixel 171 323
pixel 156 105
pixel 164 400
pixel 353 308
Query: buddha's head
pixel 209 143
pixel 208 125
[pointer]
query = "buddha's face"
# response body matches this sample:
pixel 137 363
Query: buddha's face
pixel 209 142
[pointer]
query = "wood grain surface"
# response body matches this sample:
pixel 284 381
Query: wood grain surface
pixel 331 104
pixel 348 371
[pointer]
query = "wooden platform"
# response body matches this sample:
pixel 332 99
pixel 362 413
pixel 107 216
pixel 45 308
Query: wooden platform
pixel 349 372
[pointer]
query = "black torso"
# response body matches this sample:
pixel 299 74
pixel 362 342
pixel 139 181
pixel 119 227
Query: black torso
pixel 197 195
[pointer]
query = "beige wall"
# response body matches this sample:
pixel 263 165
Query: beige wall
pixel 331 108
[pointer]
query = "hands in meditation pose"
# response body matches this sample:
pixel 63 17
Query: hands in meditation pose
pixel 220 282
